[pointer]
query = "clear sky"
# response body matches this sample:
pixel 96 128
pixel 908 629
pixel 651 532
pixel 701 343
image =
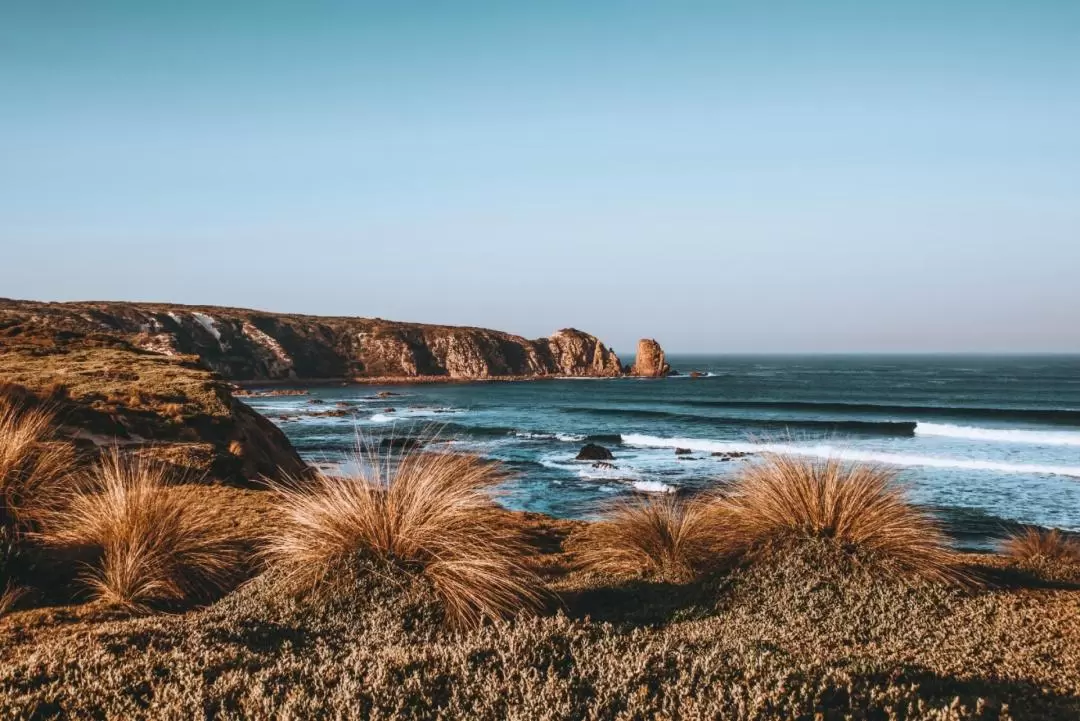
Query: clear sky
pixel 758 176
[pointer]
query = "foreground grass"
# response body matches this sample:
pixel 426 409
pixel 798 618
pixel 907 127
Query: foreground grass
pixel 1048 552
pixel 820 614
pixel 782 498
pixel 430 517
pixel 33 470
pixel 775 501
pixel 660 537
pixel 142 545
pixel 811 630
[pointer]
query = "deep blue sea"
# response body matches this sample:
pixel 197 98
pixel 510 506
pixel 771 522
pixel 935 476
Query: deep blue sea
pixel 984 442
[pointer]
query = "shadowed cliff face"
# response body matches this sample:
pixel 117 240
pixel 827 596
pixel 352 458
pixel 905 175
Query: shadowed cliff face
pixel 251 345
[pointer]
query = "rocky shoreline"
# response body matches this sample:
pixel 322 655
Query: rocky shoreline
pixel 169 377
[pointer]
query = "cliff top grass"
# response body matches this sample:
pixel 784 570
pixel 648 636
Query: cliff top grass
pixel 174 409
pixel 47 317
pixel 110 378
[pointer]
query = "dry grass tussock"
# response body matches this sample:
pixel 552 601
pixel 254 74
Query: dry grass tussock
pixel 428 514
pixel 663 537
pixel 1043 547
pixel 9 596
pixel 815 634
pixel 32 469
pixel 147 545
pixel 856 505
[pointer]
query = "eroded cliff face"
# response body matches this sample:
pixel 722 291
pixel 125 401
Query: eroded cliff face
pixel 151 377
pixel 248 345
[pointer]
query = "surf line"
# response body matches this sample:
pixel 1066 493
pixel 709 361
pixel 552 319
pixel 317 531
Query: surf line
pixel 849 454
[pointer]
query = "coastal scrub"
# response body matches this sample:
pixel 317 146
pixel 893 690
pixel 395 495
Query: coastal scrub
pixel 428 516
pixel 782 499
pixel 146 545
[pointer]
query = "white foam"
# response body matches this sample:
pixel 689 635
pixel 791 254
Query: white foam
pixel 849 454
pixel 566 437
pixel 615 473
pixel 551 463
pixel 528 435
pixel 410 413
pixel 653 487
pixel 999 435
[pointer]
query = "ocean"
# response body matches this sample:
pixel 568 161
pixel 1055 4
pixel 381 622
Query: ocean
pixel 985 443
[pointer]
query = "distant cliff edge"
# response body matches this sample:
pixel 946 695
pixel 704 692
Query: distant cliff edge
pixel 249 345
pixel 153 378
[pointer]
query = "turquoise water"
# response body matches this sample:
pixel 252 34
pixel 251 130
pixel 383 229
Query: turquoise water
pixel 984 442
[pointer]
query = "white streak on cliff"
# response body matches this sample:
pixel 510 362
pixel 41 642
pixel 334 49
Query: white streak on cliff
pixel 279 362
pixel 208 323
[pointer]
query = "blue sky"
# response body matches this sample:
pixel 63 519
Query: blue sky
pixel 767 176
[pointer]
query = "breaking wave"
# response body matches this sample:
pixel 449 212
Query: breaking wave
pixel 850 454
pixel 999 435
pixel 653 487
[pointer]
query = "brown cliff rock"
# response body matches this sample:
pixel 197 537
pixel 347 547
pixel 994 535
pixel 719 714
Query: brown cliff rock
pixel 247 345
pixel 650 361
pixel 575 353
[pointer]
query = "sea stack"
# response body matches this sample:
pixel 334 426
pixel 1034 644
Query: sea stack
pixel 650 362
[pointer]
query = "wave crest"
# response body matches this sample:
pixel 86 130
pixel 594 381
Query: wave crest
pixel 849 454
pixel 999 435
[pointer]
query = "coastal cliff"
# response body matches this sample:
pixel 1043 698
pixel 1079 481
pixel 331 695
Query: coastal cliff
pixel 156 378
pixel 248 345
pixel 160 378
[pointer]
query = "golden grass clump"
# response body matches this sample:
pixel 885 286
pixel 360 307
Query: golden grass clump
pixel 858 505
pixel 9 596
pixel 428 514
pixel 1038 545
pixel 148 545
pixel 32 469
pixel 663 537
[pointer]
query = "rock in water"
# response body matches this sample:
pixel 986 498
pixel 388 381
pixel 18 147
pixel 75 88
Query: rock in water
pixel 593 452
pixel 400 444
pixel 650 361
